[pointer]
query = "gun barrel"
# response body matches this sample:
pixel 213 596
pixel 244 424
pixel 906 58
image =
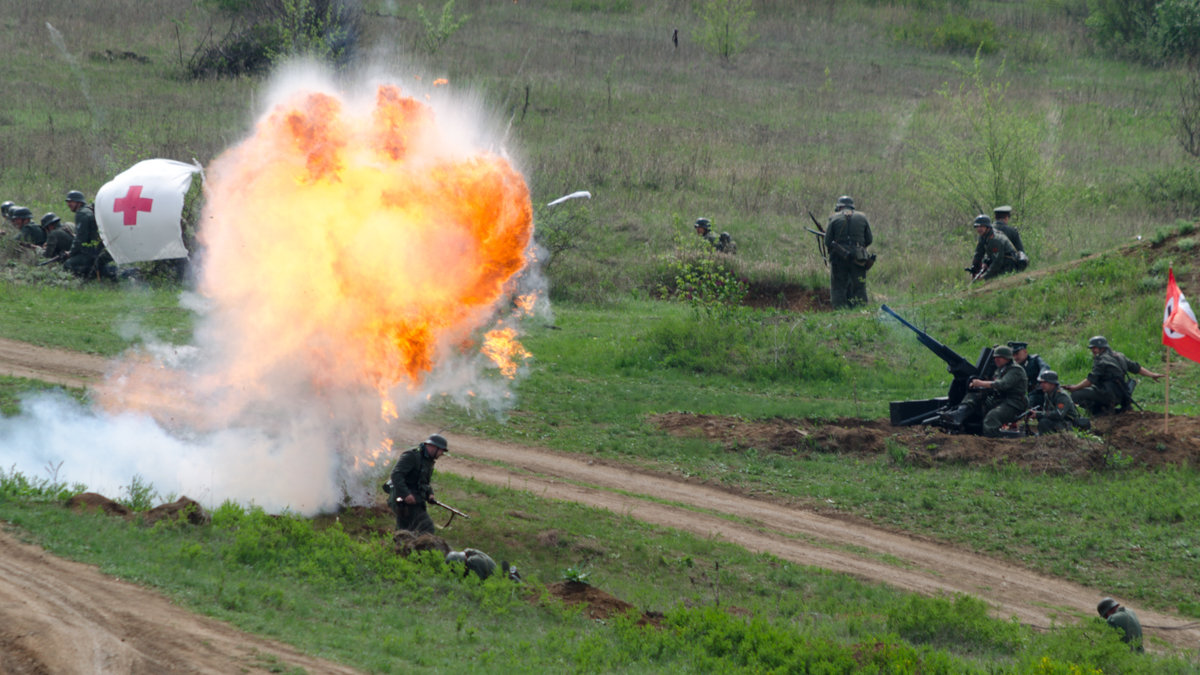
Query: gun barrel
pixel 956 364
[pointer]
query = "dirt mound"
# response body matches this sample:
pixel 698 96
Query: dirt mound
pixel 787 297
pixel 596 603
pixel 407 542
pixel 185 509
pixel 1130 439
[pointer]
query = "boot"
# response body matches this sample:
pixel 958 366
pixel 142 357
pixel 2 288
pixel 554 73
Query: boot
pixel 957 416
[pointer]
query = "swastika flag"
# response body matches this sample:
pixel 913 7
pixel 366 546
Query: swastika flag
pixel 139 211
pixel 1180 331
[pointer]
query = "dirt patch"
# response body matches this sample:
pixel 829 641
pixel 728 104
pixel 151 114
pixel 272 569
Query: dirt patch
pixel 596 603
pixel 788 297
pixel 1131 439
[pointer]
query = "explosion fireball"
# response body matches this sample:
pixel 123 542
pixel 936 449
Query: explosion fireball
pixel 356 260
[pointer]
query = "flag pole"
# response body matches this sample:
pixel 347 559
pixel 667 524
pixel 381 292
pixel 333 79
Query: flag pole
pixel 1167 395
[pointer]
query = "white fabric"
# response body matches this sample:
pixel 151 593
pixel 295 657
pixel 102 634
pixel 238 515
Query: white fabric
pixel 139 211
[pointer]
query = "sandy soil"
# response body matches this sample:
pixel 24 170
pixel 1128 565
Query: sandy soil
pixel 62 617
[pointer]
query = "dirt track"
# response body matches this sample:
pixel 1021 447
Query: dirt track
pixel 33 602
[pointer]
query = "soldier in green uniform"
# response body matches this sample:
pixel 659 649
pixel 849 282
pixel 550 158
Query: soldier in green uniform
pixel 722 243
pixel 87 258
pixel 475 560
pixel 58 240
pixel 1124 620
pixel 1104 390
pixel 412 487
pixel 1033 365
pixel 994 253
pixel 1001 400
pixel 847 236
pixel 5 210
pixel 27 233
pixel 1001 216
pixel 1058 412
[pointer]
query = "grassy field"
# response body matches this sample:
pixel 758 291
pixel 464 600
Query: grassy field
pixel 827 101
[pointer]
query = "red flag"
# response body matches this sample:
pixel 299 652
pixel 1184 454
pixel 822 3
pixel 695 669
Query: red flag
pixel 1179 323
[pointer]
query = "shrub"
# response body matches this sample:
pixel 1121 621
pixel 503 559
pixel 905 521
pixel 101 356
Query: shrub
pixel 1175 191
pixel 955 34
pixel 726 30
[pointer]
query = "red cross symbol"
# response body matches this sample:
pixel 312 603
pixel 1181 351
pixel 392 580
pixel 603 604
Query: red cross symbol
pixel 131 203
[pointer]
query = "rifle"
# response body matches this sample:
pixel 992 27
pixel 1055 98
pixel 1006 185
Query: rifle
pixel 453 511
pixel 820 234
pixel 58 258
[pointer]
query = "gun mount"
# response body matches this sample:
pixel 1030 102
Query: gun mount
pixel 927 411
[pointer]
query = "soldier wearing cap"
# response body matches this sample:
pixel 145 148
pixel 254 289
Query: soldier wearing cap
pixel 994 253
pixel 1124 620
pixel 1033 365
pixel 58 240
pixel 1105 390
pixel 412 485
pixel 1001 400
pixel 847 236
pixel 1002 215
pixel 1058 411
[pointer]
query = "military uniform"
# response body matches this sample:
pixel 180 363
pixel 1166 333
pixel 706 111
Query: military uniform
pixel 84 255
pixel 32 234
pixel 1004 402
pixel 1131 629
pixel 1107 389
pixel 413 475
pixel 999 255
pixel 846 232
pixel 1034 365
pixel 58 242
pixel 1058 412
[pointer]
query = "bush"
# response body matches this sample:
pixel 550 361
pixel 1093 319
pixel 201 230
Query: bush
pixel 1174 191
pixel 955 34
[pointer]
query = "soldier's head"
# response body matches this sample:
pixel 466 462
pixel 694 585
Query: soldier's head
pixel 20 215
pixel 843 203
pixel 75 199
pixel 1048 380
pixel 1098 344
pixel 982 225
pixel 50 221
pixel 1002 213
pixel 5 207
pixel 1020 351
pixel 1107 606
pixel 435 446
pixel 1002 355
pixel 702 225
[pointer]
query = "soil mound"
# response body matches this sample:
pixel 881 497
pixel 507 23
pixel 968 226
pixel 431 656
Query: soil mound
pixel 1130 439
pixel 787 297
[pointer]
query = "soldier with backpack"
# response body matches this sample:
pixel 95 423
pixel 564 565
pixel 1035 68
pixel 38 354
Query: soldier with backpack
pixel 847 236
pixel 1107 389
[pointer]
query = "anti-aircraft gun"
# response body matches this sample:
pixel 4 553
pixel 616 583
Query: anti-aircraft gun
pixel 928 411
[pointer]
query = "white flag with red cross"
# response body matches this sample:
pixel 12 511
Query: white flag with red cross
pixel 139 211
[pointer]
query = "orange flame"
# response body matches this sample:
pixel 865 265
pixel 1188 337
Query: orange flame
pixel 500 345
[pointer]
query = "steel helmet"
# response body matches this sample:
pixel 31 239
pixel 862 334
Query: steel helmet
pixel 1098 341
pixel 1003 351
pixel 20 212
pixel 5 207
pixel 982 220
pixel 844 202
pixel 76 196
pixel 439 441
pixel 702 222
pixel 1106 605
pixel 50 219
pixel 456 556
pixel 1048 376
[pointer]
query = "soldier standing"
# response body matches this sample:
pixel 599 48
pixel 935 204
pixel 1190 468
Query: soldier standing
pixel 412 485
pixel 994 253
pixel 1002 400
pixel 847 236
pixel 1058 412
pixel 1104 390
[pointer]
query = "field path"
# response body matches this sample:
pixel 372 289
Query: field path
pixel 758 524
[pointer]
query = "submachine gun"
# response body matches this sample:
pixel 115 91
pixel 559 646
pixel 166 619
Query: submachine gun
pixel 928 411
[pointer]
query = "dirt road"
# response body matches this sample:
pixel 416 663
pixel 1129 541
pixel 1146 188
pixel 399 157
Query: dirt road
pixel 788 532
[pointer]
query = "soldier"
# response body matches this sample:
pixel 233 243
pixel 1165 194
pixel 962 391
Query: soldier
pixel 412 485
pixel 994 253
pixel 476 561
pixel 4 210
pixel 1124 620
pixel 87 257
pixel 27 233
pixel 58 240
pixel 1001 400
pixel 723 243
pixel 1058 412
pixel 1002 214
pixel 1033 366
pixel 847 236
pixel 1105 390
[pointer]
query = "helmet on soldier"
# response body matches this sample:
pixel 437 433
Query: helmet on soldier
pixel 1106 605
pixel 1003 351
pixel 456 556
pixel 76 196
pixel 50 219
pixel 5 207
pixel 982 220
pixel 1048 376
pixel 702 222
pixel 1098 341
pixel 844 202
pixel 437 440
pixel 18 212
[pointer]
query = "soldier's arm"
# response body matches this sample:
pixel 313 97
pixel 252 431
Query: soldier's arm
pixel 403 468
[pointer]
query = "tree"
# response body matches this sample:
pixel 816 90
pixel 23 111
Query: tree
pixel 726 31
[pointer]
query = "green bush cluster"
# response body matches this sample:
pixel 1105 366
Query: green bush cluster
pixel 1175 190
pixel 1153 31
pixel 955 34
